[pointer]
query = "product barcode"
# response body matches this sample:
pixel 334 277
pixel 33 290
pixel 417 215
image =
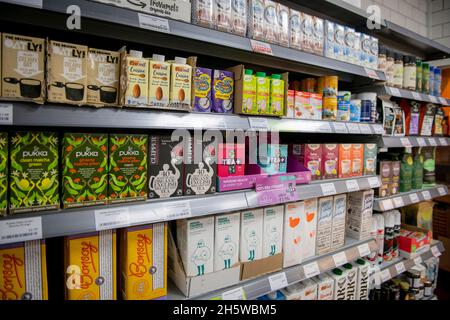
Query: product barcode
pixel 19 235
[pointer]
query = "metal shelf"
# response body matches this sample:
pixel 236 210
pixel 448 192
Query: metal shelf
pixel 260 286
pixel 123 24
pixel 406 198
pixel 83 220
pixel 409 141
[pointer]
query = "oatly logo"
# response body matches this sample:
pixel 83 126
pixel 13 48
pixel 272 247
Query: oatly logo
pixel 86 153
pixel 35 153
pixel 24 45
pixel 129 152
pixel 100 56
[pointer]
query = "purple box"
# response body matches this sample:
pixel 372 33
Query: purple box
pixel 222 91
pixel 202 89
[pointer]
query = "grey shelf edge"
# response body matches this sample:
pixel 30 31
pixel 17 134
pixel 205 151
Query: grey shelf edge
pixel 410 263
pixel 78 221
pixel 260 286
pixel 193 36
pixel 409 141
pixel 379 204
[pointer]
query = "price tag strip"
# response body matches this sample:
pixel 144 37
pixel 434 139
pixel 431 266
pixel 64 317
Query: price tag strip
pixel 421 142
pixel 6 113
pixel 364 250
pixel 443 101
pixel 378 129
pixel 235 294
pixel 311 269
pixel 339 127
pixel 414 198
pixel 339 259
pixel 325 127
pixel 395 92
pixel 111 218
pixel 261 47
pixel 417 96
pixel 405 142
pixel 328 189
pixel 374 182
pixel 365 128
pixel 278 281
pixel 443 141
pixel 398 202
pixel 435 251
pixel 153 23
pixel 432 142
pixel 19 230
pixel 352 185
pixel 426 195
pixel 259 123
pixel 353 128
pixel 417 260
pixel 400 267
pixel 177 210
pixel 442 191
pixel 387 205
pixel 385 275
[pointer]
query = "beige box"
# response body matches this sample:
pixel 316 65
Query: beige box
pixel 159 82
pixel 292 233
pixel 359 220
pixel 339 215
pixel 324 225
pixel 308 223
pixel 66 72
pixel 180 84
pixel 23 76
pixel 133 79
pixel 103 77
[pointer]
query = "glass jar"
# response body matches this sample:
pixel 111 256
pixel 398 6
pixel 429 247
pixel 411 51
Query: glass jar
pixel 419 75
pixel 382 58
pixel 398 70
pixel 390 67
pixel 425 78
pixel 428 289
pixel 409 72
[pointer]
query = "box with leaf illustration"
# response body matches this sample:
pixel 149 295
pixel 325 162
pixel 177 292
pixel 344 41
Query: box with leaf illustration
pixel 127 167
pixel 85 169
pixel 3 173
pixel 34 183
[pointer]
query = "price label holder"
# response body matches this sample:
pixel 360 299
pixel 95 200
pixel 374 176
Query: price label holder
pixel 352 185
pixel 153 23
pixel 443 101
pixel 328 189
pixel 339 127
pixel 417 96
pixel 371 73
pixel 421 142
pixel 398 202
pixel 435 251
pixel 387 205
pixel 20 230
pixel 414 198
pixel 6 114
pixel 400 267
pixel 433 98
pixel 432 142
pixel 235 294
pixel 353 128
pixel 325 127
pixel 111 218
pixel 443 142
pixel 426 195
pixel 376 275
pixel 365 128
pixel 442 191
pixel 339 259
pixel 417 260
pixel 378 128
pixel 373 182
pixel 261 47
pixel 405 142
pixel 177 210
pixel 278 281
pixel 311 269
pixel 364 250
pixel 395 92
pixel 385 275
pixel 259 123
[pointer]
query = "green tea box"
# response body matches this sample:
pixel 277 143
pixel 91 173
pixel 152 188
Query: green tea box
pixel 127 167
pixel 3 172
pixel 85 169
pixel 34 182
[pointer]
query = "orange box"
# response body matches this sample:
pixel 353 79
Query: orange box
pixel 345 160
pixel 357 159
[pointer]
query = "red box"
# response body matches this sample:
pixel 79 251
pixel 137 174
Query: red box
pixel 231 160
pixel 330 160
pixel 357 159
pixel 307 155
pixel 413 241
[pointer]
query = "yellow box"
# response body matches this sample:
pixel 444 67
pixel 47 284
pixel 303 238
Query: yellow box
pixel 143 261
pixel 90 266
pixel 23 271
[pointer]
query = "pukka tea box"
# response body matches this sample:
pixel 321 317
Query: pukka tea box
pixel 352 276
pixel 23 266
pixel 273 231
pixel 127 167
pixel 330 156
pixel 134 79
pixel 340 283
pixel 325 286
pixel 202 89
pixel 159 82
pixel 66 72
pixel 357 159
pixel 308 226
pixel 195 242
pixel 370 159
pixel 359 217
pixel 103 76
pixel 339 218
pixel 200 174
pixel 90 265
pixel 251 245
pixel 166 170
pixel 230 159
pixel 34 178
pixel 324 225
pixel 85 169
pixel 143 262
pixel 345 160
pixel 292 233
pixel 4 157
pixel 226 236
pixel 23 68
pixel 223 91
pixel 362 283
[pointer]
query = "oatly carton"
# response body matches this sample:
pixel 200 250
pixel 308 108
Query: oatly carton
pixel 166 167
pixel 324 225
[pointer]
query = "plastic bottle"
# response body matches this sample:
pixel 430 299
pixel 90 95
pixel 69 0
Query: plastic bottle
pixel 419 75
pixel 398 70
pixel 397 226
pixel 380 236
pixel 409 73
pixel 425 78
pixel 372 257
pixel 390 67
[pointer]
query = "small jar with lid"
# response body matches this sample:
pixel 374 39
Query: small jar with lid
pixel 413 279
pixel 428 289
pixel 382 58
pixel 425 78
pixel 409 72
pixel 398 70
pixel 419 75
pixel 412 294
pixel 390 67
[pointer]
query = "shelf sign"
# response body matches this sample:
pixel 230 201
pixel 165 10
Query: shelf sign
pixel 311 269
pixel 405 142
pixel 339 259
pixel 400 267
pixel 432 98
pixel 353 128
pixel 432 142
pixel 261 47
pixel 325 127
pixel 352 185
pixel 365 128
pixel 443 101
pixel 371 73
pixel 417 96
pixel 417 260
pixel 6 113
pixel 398 202
pixel 443 142
pixel 387 205
pixel 373 182
pixel 364 250
pixel 414 198
pixel 176 210
pixel 328 189
pixel 421 142
pixel 19 230
pixel 442 191
pixel 276 189
pixel 111 218
pixel 385 275
pixel 29 3
pixel 435 251
pixel 235 294
pixel 395 92
pixel 426 195
pixel 278 281
pixel 339 127
pixel 258 123
pixel 379 129
pixel 153 23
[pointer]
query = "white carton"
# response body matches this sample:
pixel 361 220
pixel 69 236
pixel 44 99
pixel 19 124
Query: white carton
pixel 324 224
pixel 308 290
pixel 362 281
pixel 325 287
pixel 292 292
pixel 226 240
pixel 251 235
pixel 340 284
pixel 308 227
pixel 329 39
pixel 352 275
pixel 339 215
pixel 359 220
pixel 272 231
pixel 292 233
pixel 195 241
pixel 349 42
pixel 339 44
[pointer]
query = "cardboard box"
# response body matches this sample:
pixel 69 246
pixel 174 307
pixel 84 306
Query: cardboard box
pixel 413 241
pixel 252 223
pixel 166 168
pixel 159 82
pixel 134 79
pixel 195 241
pixel 226 236
pixel 231 160
pixel 308 223
pixel 275 161
pixel 180 84
pixel 370 159
pixel 24 269
pixel 359 219
pixel 362 288
pixel 273 231
pixel 324 225
pixel 330 160
pixel 310 155
pixel 202 99
pixel 143 262
pixel 340 283
pixel 127 167
pixel 23 63
pixel 66 72
pixel 222 91
pixel 103 75
pixel 308 290
pixel 90 264
pixel 345 161
pixel 4 175
pixel 85 169
pixel 292 233
pixel 290 106
pixel 384 169
pixel 357 159
pixel 292 292
pixel 256 268
pixel 34 179
pixel 325 287
pixel 394 186
pixel 339 218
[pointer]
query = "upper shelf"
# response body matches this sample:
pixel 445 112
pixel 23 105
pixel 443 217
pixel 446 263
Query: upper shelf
pixel 410 141
pixel 123 24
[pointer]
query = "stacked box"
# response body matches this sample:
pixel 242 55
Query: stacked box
pixel 339 218
pixel 324 225
pixel 251 235
pixel 273 231
pixel 226 235
pixel 308 222
pixel 359 220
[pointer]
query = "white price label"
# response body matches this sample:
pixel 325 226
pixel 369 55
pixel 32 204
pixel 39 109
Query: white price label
pixel 311 269
pixel 433 98
pixel 6 113
pixel 365 128
pixel 400 267
pixel 421 142
pixel 377 275
pixel 364 250
pixel 19 230
pixel 339 127
pixel 443 141
pixel 177 210
pixel 235 294
pixel 261 47
pixel 443 101
pixel 112 218
pixel 339 259
pixel 325 127
pixel 442 191
pixel 405 142
pixel 328 189
pixel 153 23
pixel 387 205
pixel 379 129
pixel 398 202
pixel 259 123
pixel 278 281
pixel 385 275
pixel 416 96
pixel 417 260
pixel 372 73
pixel 426 195
pixel 414 198
pixel 353 128
pixel 374 182
pixel 395 92
pixel 352 185
pixel 432 142
pixel 435 251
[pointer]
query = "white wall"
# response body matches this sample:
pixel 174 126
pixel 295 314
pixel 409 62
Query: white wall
pixel 440 21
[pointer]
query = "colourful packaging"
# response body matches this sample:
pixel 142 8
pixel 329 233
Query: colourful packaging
pixel 325 287
pixel 345 161
pixel 324 225
pixel 343 109
pixel 276 107
pixel 239 18
pixel 303 108
pixel 4 156
pixel 256 23
pixel 249 92
pixel 330 156
pixel 355 110
pixel 251 245
pixel 272 231
pixel 339 218
pixel 308 226
pixel 226 237
pixel 180 84
pixel 275 162
pixel 231 160
pixel 202 89
pixel 143 262
pixel 370 159
pixel 406 172
pixel 426 119
pixel 295 29
pixel 307 32
pixel 329 110
pixel 395 183
pixel 349 45
pixel 315 100
pixel 312 158
pixel 222 91
pixel 262 93
pixel 412 116
pixel 292 233
pixel 357 159
pixel 290 112
pixel 134 81
pixel 385 172
pixel 283 24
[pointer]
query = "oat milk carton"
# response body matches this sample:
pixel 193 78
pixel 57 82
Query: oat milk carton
pixel 273 231
pixel 352 274
pixel 292 233
pixel 308 229
pixel 362 288
pixel 340 284
pixel 226 244
pixel 251 235
pixel 324 225
pixel 339 217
